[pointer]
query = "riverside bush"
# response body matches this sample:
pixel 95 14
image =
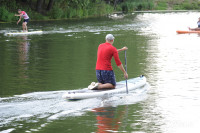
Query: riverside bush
pixel 87 8
pixel 161 5
pixel 130 6
pixel 5 15
pixel 56 12
pixel 187 6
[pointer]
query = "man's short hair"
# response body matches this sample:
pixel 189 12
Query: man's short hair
pixel 110 37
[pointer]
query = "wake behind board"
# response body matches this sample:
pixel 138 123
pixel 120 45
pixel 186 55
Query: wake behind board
pixel 187 32
pixel 120 89
pixel 24 33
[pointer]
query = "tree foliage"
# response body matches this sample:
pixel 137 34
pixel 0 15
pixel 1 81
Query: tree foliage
pixel 57 9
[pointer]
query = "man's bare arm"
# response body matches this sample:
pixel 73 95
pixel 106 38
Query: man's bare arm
pixel 123 70
pixel 122 49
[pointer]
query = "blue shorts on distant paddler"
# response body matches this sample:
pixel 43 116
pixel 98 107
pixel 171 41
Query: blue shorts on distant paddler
pixel 106 76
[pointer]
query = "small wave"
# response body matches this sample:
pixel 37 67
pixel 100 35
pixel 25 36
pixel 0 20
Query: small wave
pixel 50 106
pixel 7 131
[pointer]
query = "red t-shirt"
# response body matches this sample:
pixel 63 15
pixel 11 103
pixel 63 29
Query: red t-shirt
pixel 104 56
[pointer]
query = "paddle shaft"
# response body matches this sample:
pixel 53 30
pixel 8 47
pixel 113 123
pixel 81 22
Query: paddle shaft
pixel 126 72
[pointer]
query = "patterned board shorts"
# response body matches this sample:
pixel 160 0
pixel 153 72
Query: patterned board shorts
pixel 105 76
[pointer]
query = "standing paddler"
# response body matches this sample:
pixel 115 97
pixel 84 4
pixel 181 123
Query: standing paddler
pixel 26 19
pixel 104 71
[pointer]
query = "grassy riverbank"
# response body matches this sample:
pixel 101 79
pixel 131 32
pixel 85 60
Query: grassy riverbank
pixel 177 4
pixel 63 9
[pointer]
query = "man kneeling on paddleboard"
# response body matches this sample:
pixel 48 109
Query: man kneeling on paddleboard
pixel 104 71
pixel 26 19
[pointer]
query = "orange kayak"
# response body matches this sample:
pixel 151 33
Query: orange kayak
pixel 185 32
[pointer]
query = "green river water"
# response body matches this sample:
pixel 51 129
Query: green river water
pixel 36 70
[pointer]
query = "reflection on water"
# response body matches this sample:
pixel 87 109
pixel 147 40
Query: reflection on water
pixel 109 119
pixel 23 50
pixel 63 58
pixel 174 65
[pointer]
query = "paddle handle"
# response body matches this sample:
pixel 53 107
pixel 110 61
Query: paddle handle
pixel 126 72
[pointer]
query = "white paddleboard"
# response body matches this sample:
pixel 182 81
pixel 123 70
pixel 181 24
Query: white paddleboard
pixel 120 88
pixel 24 33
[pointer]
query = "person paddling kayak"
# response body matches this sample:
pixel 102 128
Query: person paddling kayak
pixel 26 19
pixel 198 28
pixel 104 71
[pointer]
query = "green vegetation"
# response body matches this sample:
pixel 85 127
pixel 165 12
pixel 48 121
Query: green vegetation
pixel 187 5
pixel 65 9
pixel 161 5
pixel 177 4
pixel 5 15
pixel 136 5
pixel 60 9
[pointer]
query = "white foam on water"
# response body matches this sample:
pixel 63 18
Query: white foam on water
pixel 126 99
pixel 97 33
pixel 50 106
pixel 7 131
pixel 92 29
pixel 82 28
pixel 53 117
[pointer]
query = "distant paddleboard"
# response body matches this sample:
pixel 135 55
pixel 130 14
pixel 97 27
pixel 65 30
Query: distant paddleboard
pixel 24 33
pixel 187 32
